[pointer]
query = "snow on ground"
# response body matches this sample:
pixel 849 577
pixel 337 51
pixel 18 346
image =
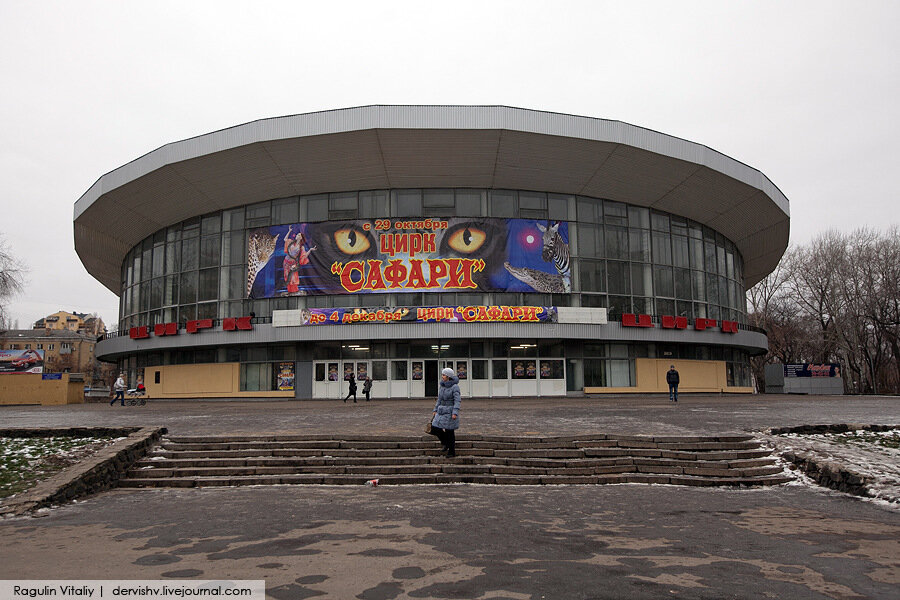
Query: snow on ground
pixel 874 456
pixel 24 461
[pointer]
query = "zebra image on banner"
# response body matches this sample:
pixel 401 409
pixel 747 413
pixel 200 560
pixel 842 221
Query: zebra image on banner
pixel 406 255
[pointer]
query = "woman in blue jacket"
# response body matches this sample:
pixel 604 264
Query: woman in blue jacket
pixel 445 418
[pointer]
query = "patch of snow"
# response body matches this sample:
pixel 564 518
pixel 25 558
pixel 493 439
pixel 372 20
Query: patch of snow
pixel 878 465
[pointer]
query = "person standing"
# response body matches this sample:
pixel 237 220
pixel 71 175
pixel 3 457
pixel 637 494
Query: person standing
pixel 367 387
pixel 119 387
pixel 445 418
pixel 673 380
pixel 352 391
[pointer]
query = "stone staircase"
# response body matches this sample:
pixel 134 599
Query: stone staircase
pixel 729 460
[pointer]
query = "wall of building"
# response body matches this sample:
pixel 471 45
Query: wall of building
pixel 777 383
pixel 651 263
pixel 212 380
pixel 698 376
pixel 78 357
pixel 61 320
pixel 31 388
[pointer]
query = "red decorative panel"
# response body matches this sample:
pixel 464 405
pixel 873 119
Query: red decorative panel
pixel 729 326
pixel 195 326
pixel 139 333
pixel 237 324
pixel 161 329
pixel 702 324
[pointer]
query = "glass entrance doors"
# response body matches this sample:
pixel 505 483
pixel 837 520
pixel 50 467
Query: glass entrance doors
pixel 420 378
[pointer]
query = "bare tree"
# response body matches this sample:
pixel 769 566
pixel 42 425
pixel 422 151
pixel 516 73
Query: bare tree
pixel 882 284
pixel 812 284
pixel 763 297
pixel 770 308
pixel 889 312
pixel 851 301
pixel 836 299
pixel 12 278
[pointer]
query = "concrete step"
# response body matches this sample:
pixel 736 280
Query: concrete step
pixel 195 461
pixel 509 443
pixel 314 462
pixel 378 470
pixel 448 478
pixel 433 449
pixel 679 454
pixel 172 461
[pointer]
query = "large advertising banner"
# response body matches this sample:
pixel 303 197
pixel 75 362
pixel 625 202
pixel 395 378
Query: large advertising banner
pixel 21 361
pixel 812 370
pixel 421 314
pixel 408 255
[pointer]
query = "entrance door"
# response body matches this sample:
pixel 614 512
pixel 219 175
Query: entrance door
pixel 431 378
pixel 572 376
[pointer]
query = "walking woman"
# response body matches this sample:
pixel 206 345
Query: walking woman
pixel 352 391
pixel 445 418
pixel 119 386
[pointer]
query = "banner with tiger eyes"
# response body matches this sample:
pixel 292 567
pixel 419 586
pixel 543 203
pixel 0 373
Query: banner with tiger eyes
pixel 406 255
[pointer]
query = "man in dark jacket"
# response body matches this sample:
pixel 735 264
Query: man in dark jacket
pixel 352 381
pixel 673 380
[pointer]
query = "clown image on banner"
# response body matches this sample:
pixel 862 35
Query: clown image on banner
pixel 408 256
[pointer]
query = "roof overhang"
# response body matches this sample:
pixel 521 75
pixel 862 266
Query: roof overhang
pixel 380 147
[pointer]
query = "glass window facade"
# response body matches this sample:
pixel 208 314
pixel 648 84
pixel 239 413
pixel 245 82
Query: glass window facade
pixel 625 258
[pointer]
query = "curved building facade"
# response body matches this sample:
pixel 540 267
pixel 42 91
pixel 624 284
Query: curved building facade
pixel 537 254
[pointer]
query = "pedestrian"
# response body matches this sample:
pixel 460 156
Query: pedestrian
pixel 367 387
pixel 445 418
pixel 119 387
pixel 673 380
pixel 352 391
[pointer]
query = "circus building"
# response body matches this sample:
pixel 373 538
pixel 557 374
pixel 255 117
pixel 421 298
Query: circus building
pixel 534 253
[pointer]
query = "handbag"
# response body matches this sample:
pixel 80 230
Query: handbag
pixel 428 427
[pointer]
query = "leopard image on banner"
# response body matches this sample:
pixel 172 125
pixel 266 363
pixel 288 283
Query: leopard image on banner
pixel 410 255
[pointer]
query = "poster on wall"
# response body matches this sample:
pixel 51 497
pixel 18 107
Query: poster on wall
pixel 417 371
pixel 462 371
pixel 524 369
pixel 408 255
pixel 332 371
pixel 21 361
pixel 286 377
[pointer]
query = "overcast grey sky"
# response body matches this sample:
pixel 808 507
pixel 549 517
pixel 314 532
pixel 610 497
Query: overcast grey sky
pixel 806 92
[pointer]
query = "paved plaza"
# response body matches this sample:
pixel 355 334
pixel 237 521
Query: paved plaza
pixel 472 541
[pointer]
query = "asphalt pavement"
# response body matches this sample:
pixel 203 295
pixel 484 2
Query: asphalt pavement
pixel 471 541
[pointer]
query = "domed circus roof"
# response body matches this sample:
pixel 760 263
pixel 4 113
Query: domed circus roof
pixel 381 147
